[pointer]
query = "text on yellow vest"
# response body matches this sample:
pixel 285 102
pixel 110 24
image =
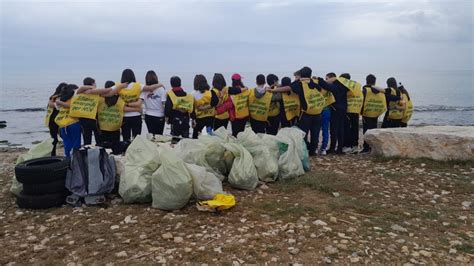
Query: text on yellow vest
pixel 132 94
pixel 259 107
pixel 355 97
pixel 84 106
pixel 110 117
pixel 225 96
pixel 374 103
pixel 182 103
pixel 394 112
pixel 63 119
pixel 314 100
pixel 408 111
pixel 291 103
pixel 205 100
pixel 241 104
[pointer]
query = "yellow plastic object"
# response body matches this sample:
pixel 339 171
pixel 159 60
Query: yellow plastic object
pixel 218 203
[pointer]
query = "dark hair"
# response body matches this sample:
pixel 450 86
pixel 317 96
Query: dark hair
pixel 345 75
pixel 128 76
pixel 59 88
pixel 88 81
pixel 297 73
pixel 403 90
pixel 306 72
pixel 237 83
pixel 392 83
pixel 286 81
pixel 68 92
pixel 218 81
pixel 272 79
pixel 111 100
pixel 260 80
pixel 200 83
pixel 175 81
pixel 109 84
pixel 370 79
pixel 151 78
pixel 331 75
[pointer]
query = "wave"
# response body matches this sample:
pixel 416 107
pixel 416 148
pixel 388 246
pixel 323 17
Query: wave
pixel 39 109
pixel 443 108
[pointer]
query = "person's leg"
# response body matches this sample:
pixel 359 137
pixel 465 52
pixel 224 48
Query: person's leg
pixel 355 130
pixel 185 127
pixel 53 131
pixel 149 124
pixel 304 124
pixel 66 142
pixel 126 129
pixel 340 120
pixel 160 127
pixel 396 123
pixel 347 130
pixel 386 121
pixel 368 123
pixel 86 130
pixel 333 134
pixel 220 123
pixel 257 126
pixel 325 118
pixel 315 127
pixel 136 125
pixel 200 124
pixel 75 132
pixel 273 125
pixel 402 124
pixel 236 125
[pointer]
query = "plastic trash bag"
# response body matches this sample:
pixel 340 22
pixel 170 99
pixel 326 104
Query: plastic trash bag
pixel 141 161
pixel 42 149
pixel 243 174
pixel 205 184
pixel 218 203
pixel 265 162
pixel 291 148
pixel 172 184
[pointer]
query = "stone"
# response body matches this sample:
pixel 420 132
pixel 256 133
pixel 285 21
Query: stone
pixel 167 236
pixel 435 142
pixel 319 222
pixel 398 228
pixel 294 251
pixel 187 250
pixel 466 204
pixel 425 253
pixel 291 241
pixel 178 239
pixel 114 227
pixel 331 250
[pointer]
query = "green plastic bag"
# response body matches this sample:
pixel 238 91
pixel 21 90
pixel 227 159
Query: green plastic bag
pixel 172 184
pixel 243 174
pixel 42 149
pixel 265 162
pixel 290 162
pixel 205 184
pixel 141 161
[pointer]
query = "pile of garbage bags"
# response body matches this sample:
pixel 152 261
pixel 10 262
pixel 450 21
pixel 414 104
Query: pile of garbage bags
pixel 170 176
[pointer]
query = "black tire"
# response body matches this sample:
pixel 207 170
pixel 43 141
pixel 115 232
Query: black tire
pixel 40 201
pixel 42 170
pixel 57 186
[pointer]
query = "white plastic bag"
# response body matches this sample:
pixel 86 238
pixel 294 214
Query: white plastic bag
pixel 172 185
pixel 205 184
pixel 289 161
pixel 243 174
pixel 42 149
pixel 265 162
pixel 141 160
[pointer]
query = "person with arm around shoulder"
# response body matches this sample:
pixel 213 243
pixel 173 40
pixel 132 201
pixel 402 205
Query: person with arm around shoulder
pixel 154 101
pixel 70 129
pixel 51 114
pixel 205 101
pixel 178 108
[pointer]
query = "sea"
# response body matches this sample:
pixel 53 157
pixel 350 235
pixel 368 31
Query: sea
pixel 439 97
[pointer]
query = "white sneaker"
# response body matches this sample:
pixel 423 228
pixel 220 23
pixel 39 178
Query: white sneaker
pixel 355 150
pixel 346 149
pixel 322 152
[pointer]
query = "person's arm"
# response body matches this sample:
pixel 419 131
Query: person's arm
pixel 168 108
pixel 84 88
pixel 98 91
pixel 280 89
pixel 234 90
pixel 379 88
pixel 135 104
pixel 132 109
pixel 327 85
pixel 51 102
pixel 390 97
pixel 61 103
pixel 150 88
pixel 214 99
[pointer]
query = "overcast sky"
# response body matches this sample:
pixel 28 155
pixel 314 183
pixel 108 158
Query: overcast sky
pixel 45 38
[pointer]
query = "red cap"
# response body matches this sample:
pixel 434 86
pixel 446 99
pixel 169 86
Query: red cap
pixel 236 76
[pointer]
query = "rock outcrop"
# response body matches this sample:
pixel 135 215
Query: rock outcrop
pixel 436 142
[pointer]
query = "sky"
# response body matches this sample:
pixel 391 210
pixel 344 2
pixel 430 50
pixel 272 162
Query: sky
pixel 43 39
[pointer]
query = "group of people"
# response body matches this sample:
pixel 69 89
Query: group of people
pixel 333 104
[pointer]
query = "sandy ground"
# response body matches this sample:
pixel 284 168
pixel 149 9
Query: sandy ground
pixel 353 208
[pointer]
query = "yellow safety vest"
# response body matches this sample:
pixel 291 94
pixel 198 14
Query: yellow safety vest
pixel 374 103
pixel 259 107
pixel 205 100
pixel 355 98
pixel 182 103
pixel 314 100
pixel 49 111
pixel 394 113
pixel 241 104
pixel 224 115
pixel 408 111
pixel 274 109
pixel 63 119
pixel 291 103
pixel 84 106
pixel 328 98
pixel 110 117
pixel 132 94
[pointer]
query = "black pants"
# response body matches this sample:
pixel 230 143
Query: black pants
pixel 89 126
pixel 351 130
pixel 238 125
pixel 337 130
pixel 220 123
pixel 131 126
pixel 258 126
pixel 180 127
pixel 110 139
pixel 53 130
pixel 389 123
pixel 402 124
pixel 368 123
pixel 155 124
pixel 310 124
pixel 201 123
pixel 273 125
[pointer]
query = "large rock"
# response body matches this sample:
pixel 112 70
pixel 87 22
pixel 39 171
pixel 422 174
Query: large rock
pixel 435 142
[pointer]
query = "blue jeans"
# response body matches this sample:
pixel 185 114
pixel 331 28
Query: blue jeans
pixel 310 124
pixel 325 119
pixel 71 136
